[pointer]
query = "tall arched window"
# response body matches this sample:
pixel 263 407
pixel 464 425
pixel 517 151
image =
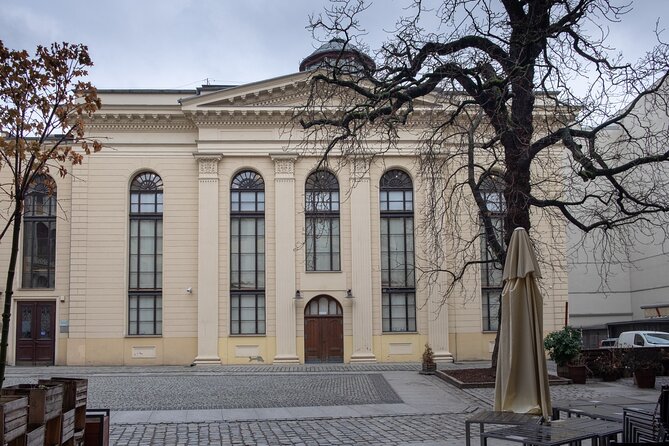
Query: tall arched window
pixel 492 191
pixel 247 254
pixel 322 222
pixel 397 252
pixel 39 234
pixel 145 287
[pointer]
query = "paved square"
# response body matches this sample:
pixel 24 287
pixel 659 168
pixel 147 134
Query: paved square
pixel 239 391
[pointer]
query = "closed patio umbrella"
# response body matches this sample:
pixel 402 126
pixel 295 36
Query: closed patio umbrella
pixel 521 384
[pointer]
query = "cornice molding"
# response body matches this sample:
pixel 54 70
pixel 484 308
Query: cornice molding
pixel 139 121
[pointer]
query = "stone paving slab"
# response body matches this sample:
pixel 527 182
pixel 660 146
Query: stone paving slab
pixel 429 411
pixel 194 392
pixel 405 430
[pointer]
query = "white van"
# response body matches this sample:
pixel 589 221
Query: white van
pixel 643 339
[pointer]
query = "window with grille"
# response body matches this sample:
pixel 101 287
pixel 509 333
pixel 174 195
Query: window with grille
pixel 247 254
pixel 39 234
pixel 492 191
pixel 398 301
pixel 322 222
pixel 145 278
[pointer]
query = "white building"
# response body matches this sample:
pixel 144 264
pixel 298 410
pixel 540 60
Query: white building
pixel 199 234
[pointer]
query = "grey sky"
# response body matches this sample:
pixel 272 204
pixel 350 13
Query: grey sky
pixel 177 44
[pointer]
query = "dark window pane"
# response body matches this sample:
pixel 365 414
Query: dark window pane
pixel 247 259
pixel 145 255
pixel 39 234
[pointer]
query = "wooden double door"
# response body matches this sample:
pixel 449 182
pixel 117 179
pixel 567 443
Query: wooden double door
pixel 323 331
pixel 35 332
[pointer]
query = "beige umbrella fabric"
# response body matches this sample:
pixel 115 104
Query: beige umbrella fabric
pixel 521 384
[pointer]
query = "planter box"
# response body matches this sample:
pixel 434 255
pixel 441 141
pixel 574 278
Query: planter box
pixel 577 374
pixel 13 416
pixel 97 427
pixel 35 435
pixel 428 368
pixel 45 400
pixel 75 397
pixel 78 437
pixel 563 371
pixel 80 386
pixel 645 378
pixel 67 426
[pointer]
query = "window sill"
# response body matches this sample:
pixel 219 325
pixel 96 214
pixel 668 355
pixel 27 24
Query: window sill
pixel 398 332
pixel 144 336
pixel 323 272
pixel 489 331
pixel 248 335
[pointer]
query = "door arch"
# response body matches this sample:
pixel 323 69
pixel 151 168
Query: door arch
pixel 323 330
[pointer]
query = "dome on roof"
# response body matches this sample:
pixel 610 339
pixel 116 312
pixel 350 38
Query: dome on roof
pixel 334 52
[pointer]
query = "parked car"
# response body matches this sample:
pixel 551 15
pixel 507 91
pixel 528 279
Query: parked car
pixel 643 339
pixel 608 342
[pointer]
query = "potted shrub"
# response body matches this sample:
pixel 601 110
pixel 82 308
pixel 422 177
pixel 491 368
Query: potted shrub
pixel 429 366
pixel 578 371
pixel 645 372
pixel 563 347
pixel 608 366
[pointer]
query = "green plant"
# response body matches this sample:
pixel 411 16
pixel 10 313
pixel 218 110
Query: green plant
pixel 563 346
pixel 428 355
pixel 608 365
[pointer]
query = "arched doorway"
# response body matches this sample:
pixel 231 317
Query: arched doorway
pixel 323 331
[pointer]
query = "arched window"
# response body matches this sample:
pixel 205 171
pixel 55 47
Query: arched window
pixel 39 234
pixel 492 191
pixel 247 254
pixel 145 278
pixel 397 252
pixel 322 222
pixel 323 306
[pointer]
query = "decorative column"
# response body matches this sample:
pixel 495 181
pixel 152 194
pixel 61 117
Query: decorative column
pixel 207 256
pixel 437 322
pixel 361 262
pixel 437 317
pixel 284 235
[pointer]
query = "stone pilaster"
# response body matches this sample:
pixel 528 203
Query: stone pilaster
pixel 207 254
pixel 361 262
pixel 284 234
pixel 437 322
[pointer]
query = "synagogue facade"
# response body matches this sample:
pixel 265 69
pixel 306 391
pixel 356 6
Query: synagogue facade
pixel 202 234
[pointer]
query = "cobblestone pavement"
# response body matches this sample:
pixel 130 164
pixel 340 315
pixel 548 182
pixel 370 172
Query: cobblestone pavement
pixel 239 391
pixel 387 430
pixel 337 390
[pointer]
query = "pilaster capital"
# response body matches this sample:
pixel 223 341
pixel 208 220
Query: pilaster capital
pixel 207 165
pixel 284 166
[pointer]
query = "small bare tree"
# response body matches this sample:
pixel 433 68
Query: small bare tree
pixel 523 90
pixel 43 104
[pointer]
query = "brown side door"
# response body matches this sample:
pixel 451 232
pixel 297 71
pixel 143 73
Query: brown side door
pixel 323 339
pixel 36 333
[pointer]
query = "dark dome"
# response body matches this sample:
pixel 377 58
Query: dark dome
pixel 337 50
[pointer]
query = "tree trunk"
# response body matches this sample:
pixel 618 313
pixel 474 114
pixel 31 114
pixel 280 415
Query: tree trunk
pixel 9 289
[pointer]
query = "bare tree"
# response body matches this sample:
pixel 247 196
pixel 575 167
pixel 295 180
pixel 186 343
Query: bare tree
pixel 43 104
pixel 523 90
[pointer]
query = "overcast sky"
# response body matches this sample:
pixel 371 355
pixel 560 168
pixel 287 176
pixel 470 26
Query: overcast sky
pixel 179 44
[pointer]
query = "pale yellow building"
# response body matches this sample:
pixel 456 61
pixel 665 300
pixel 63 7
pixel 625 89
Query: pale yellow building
pixel 202 234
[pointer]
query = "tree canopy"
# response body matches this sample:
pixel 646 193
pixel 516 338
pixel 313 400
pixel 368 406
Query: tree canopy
pixel 44 101
pixel 526 91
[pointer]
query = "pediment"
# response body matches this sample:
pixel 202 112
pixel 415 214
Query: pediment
pixel 281 92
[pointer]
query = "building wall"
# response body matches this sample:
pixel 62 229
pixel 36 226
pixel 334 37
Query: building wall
pixel 92 247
